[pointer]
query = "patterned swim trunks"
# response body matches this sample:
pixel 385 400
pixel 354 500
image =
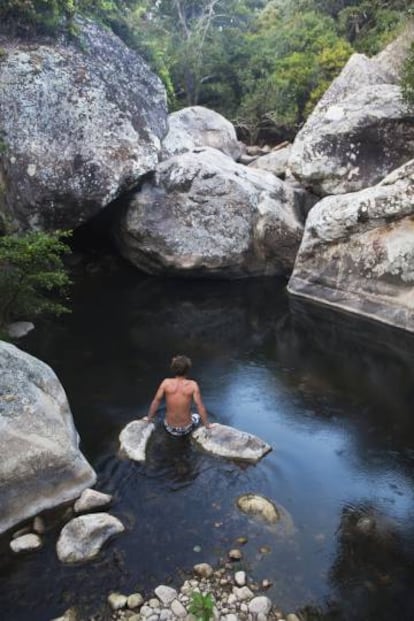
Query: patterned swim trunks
pixel 183 431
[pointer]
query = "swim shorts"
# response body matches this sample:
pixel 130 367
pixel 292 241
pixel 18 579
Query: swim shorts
pixel 183 431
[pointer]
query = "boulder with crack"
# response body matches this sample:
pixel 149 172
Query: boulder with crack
pixel 204 215
pixel 357 252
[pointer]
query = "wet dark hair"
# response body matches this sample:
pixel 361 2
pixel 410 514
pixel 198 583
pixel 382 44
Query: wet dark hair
pixel 180 365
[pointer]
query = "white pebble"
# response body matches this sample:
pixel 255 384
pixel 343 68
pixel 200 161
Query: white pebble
pixel 117 601
pixel 240 578
pixel 165 594
pixel 135 600
pixel 178 609
pixel 260 604
pixel 242 593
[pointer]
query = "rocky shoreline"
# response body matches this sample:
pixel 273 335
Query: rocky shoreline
pixel 234 596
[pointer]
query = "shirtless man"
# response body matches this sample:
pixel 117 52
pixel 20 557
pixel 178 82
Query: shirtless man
pixel 179 393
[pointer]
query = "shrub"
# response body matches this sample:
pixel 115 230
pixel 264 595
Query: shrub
pixel 32 275
pixel 201 606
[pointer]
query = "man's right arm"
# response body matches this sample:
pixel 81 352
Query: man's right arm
pixel 155 403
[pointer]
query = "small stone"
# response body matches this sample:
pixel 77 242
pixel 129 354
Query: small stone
pixel 240 578
pixel 292 617
pixel 203 569
pixel 232 599
pixel 260 604
pixel 266 584
pixel 265 549
pixel 134 618
pixel 241 541
pixel 261 616
pixel 235 555
pixel 231 617
pixel 165 594
pixel 39 525
pixel 197 549
pixel 117 601
pixel 166 615
pixel 135 600
pixel 91 499
pixel 242 593
pixel 146 611
pixel 178 609
pixel 26 543
pixel 154 603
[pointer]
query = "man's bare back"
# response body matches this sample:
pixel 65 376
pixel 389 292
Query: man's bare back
pixel 179 393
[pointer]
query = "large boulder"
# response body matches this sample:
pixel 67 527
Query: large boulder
pixel 357 251
pixel 81 120
pixel 205 215
pixel 199 127
pixel 41 465
pixel 360 130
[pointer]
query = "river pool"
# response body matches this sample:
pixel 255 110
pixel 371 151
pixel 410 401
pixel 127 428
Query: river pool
pixel 334 397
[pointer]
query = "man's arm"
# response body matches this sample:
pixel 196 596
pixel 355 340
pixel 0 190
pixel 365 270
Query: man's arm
pixel 156 402
pixel 200 406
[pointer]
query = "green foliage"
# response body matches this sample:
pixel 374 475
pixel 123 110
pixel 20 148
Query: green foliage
pixel 201 606
pixel 260 62
pixel 31 275
pixel 407 79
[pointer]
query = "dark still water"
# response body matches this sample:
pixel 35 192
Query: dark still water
pixel 332 395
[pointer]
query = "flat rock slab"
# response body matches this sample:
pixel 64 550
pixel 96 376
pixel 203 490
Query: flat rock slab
pixel 229 442
pixel 82 538
pixel 134 438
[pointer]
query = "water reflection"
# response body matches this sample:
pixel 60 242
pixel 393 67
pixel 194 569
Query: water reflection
pixel 332 395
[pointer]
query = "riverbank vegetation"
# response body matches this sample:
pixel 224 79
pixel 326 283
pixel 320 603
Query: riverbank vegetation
pixel 33 279
pixel 262 63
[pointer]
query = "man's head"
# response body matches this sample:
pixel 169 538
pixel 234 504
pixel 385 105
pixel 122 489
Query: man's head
pixel 180 365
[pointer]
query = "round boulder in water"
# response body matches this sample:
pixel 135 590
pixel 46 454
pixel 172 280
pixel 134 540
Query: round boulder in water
pixel 254 504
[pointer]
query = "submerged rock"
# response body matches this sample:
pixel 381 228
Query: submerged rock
pixel 204 215
pixel 41 466
pixel 134 438
pixel 199 127
pixel 226 441
pixel 82 120
pixel 18 329
pixel 357 253
pixel 254 504
pixel 82 538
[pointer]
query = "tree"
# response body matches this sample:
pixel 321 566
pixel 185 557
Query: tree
pixel 407 79
pixel 32 275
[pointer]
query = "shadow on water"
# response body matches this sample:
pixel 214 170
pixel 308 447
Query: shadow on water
pixel 331 394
